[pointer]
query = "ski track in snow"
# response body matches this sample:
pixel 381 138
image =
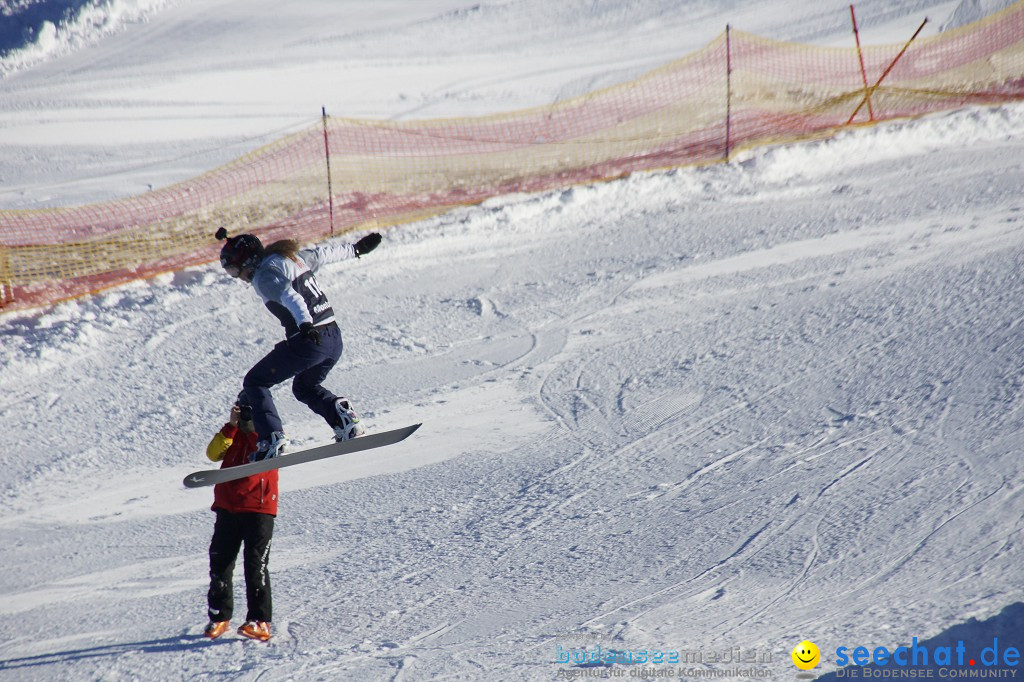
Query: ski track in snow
pixel 738 405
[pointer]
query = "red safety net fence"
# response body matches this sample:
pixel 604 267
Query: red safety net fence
pixel 739 91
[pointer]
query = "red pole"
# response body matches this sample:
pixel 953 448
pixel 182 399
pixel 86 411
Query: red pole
pixel 327 151
pixel 863 73
pixel 867 95
pixel 728 92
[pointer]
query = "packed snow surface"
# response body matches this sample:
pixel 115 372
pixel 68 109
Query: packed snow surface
pixel 729 407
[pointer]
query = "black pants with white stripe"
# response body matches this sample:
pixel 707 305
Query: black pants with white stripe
pixel 230 532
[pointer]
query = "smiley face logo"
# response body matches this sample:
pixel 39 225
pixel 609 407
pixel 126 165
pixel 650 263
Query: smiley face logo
pixel 806 655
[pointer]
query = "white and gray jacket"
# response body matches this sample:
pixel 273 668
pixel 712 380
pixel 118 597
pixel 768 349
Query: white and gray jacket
pixel 291 292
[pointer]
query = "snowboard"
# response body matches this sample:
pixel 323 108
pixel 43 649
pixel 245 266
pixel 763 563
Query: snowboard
pixel 199 479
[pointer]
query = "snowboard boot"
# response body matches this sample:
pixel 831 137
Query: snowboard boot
pixel 348 426
pixel 271 447
pixel 255 629
pixel 215 628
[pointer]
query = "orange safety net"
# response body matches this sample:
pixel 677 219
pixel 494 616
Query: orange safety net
pixel 739 91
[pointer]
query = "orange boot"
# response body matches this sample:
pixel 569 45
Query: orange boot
pixel 216 628
pixel 255 629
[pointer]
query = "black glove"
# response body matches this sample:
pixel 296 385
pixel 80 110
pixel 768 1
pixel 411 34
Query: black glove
pixel 310 332
pixel 367 244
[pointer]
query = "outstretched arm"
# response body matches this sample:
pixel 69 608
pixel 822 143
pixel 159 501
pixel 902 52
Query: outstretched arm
pixel 322 254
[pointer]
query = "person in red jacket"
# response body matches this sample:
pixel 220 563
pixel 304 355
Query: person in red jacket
pixel 245 510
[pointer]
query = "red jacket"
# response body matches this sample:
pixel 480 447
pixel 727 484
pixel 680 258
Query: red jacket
pixel 256 493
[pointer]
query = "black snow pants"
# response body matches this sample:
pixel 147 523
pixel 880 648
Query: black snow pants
pixel 230 532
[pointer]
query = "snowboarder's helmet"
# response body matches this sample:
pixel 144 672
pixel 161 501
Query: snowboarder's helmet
pixel 243 252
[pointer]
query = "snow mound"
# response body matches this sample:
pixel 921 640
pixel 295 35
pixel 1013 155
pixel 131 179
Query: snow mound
pixel 969 11
pixel 33 31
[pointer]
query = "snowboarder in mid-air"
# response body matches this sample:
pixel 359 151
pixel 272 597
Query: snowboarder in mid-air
pixel 245 509
pixel 283 276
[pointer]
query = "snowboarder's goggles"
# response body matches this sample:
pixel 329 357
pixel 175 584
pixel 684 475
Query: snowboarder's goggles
pixel 233 270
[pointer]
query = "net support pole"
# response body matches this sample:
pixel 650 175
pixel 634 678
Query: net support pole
pixel 327 156
pixel 728 92
pixel 6 287
pixel 871 90
pixel 863 72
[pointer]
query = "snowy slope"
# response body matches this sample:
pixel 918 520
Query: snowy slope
pixel 200 82
pixel 736 406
